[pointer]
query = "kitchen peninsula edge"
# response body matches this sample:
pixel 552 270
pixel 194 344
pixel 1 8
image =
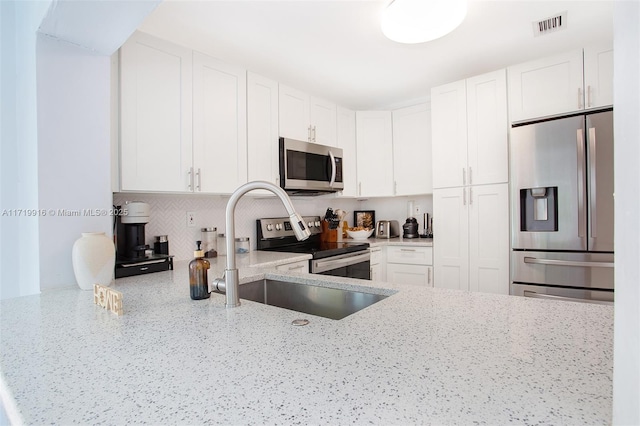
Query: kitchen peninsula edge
pixel 421 356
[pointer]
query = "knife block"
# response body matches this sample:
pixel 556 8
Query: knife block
pixel 328 235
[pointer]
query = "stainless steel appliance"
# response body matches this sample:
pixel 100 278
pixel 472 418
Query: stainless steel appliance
pixel 387 229
pixel 342 259
pixel 562 208
pixel 309 168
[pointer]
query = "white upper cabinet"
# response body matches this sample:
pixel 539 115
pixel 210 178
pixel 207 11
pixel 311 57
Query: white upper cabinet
pixel 598 75
pixel 487 128
pixel 412 150
pixel 155 115
pixel 449 134
pixel 306 118
pixel 262 129
pixel 322 116
pixel 219 125
pixel 183 119
pixel 346 132
pixel 560 84
pixel 469 128
pixel 374 142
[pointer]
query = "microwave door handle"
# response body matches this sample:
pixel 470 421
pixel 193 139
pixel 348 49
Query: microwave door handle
pixel 333 169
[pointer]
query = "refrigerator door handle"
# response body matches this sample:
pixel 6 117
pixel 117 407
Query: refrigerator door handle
pixel 534 295
pixel 555 262
pixel 582 214
pixel 592 182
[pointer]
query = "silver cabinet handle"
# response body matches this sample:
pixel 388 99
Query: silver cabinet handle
pixel 556 262
pixel 429 276
pixel 359 188
pixel 464 196
pixel 406 249
pixel 582 214
pixel 291 268
pixel 535 295
pixel 589 96
pixel 190 178
pixel 333 169
pixel 464 176
pixel 580 98
pixel 470 195
pixel 314 133
pixel 199 176
pixel 470 176
pixel 395 187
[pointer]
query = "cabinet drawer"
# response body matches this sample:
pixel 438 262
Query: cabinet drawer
pixel 376 255
pixel 421 275
pixel 410 255
pixel 301 266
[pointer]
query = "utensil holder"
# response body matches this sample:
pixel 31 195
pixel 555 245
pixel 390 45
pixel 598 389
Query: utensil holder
pixel 328 235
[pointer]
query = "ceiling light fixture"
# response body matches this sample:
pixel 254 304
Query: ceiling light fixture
pixel 418 21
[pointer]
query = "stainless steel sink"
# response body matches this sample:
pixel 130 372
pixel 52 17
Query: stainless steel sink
pixel 325 302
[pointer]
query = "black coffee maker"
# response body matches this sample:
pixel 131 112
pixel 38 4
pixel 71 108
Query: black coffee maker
pixel 410 228
pixel 130 231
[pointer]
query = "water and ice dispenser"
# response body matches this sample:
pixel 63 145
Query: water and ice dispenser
pixel 539 209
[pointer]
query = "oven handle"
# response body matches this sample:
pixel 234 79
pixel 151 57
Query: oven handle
pixel 534 295
pixel 555 262
pixel 328 264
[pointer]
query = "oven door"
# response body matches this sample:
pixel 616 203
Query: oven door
pixel 308 166
pixel 350 265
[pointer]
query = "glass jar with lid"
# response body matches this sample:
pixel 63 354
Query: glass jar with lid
pixel 210 242
pixel 242 245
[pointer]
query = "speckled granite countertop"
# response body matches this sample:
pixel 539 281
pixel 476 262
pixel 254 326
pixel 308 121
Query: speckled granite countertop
pixel 421 356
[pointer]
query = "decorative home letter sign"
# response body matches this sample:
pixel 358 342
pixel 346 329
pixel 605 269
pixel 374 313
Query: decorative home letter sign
pixel 109 299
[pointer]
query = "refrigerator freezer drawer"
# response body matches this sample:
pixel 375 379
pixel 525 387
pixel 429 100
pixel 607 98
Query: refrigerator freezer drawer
pixel 587 270
pixel 565 294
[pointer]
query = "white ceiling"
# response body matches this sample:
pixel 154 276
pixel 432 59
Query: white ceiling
pixel 335 49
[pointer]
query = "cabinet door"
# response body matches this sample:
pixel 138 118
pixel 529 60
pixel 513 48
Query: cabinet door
pixel 489 238
pixel 409 274
pixel 346 132
pixel 487 127
pixel 376 272
pixel 449 134
pixel 451 238
pixel 546 87
pixel 156 114
pixel 293 113
pixel 412 150
pixel 322 116
pixel 219 125
pixel 598 75
pixel 262 129
pixel 375 153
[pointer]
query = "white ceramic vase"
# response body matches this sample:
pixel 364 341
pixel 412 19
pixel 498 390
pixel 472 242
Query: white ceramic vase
pixel 93 257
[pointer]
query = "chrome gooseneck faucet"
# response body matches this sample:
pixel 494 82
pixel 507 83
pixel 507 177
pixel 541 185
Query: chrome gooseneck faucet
pixel 229 283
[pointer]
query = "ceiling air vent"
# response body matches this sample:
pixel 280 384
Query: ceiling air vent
pixel 550 25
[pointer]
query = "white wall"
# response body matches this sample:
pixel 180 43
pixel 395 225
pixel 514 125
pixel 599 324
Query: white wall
pixel 74 150
pixel 626 366
pixel 19 20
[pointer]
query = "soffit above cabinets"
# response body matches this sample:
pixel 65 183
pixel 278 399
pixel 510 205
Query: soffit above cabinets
pixel 336 49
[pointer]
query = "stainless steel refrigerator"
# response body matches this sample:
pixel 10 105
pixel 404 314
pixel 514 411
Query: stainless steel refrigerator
pixel 562 208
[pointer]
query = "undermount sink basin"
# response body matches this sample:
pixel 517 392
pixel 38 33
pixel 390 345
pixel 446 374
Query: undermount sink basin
pixel 333 303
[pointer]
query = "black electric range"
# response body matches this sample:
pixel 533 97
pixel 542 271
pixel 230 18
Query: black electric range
pixel 341 258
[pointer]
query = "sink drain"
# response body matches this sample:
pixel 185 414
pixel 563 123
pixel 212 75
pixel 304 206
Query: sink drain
pixel 300 322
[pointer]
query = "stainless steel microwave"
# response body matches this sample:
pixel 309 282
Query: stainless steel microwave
pixel 309 168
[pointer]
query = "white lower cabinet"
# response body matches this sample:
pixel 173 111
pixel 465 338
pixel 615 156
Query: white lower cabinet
pixel 377 264
pixel 471 247
pixel 410 264
pixel 300 266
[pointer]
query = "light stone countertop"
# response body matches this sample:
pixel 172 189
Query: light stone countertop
pixel 420 356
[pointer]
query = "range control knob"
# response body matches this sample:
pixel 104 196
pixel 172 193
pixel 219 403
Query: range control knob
pixel 317 224
pixel 310 224
pixel 269 227
pixel 278 226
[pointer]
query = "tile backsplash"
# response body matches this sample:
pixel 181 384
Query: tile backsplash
pixel 169 214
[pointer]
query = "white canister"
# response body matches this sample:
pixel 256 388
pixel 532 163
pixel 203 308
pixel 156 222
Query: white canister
pixel 93 257
pixel 222 245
